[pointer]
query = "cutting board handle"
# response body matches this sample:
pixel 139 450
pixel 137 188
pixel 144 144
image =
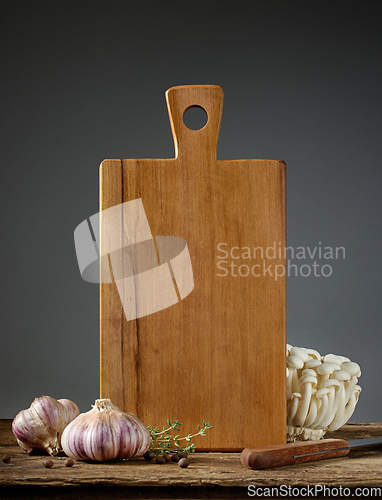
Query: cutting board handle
pixel 204 141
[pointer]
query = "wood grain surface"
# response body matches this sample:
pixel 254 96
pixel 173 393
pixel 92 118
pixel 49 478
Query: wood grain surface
pixel 218 354
pixel 209 475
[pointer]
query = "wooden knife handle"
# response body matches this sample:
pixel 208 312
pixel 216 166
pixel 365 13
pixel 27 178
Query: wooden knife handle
pixel 293 453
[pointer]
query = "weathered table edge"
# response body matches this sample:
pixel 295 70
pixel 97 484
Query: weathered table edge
pixel 222 484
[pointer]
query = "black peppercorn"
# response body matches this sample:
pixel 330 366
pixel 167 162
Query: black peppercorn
pixel 48 464
pixel 149 455
pixel 6 459
pixel 161 460
pixel 183 462
pixel 175 457
pixel 183 454
pixel 69 462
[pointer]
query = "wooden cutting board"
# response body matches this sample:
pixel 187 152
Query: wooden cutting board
pixel 218 353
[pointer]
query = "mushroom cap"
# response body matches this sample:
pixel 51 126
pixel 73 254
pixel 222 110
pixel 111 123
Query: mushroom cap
pixel 295 362
pixel 322 392
pixel 296 395
pixel 314 354
pixel 312 363
pixel 340 375
pixel 352 368
pixel 308 371
pixel 333 358
pixel 344 359
pixel 328 368
pixel 300 352
pixel 307 379
pixel 331 382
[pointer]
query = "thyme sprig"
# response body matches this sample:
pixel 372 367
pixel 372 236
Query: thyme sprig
pixel 163 441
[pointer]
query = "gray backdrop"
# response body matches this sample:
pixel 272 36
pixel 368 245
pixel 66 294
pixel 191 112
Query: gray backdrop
pixel 84 81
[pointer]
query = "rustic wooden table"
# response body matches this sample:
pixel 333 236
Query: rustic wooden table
pixel 209 475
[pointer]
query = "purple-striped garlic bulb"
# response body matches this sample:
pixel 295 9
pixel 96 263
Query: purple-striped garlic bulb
pixel 105 433
pixel 42 424
pixel 71 408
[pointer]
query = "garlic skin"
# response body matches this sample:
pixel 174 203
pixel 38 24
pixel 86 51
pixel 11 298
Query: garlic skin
pixel 105 433
pixel 322 393
pixel 72 411
pixel 41 425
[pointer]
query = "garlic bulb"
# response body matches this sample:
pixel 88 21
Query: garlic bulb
pixel 105 433
pixel 71 408
pixel 41 425
pixel 322 392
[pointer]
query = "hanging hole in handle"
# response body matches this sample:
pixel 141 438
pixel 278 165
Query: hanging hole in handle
pixel 195 117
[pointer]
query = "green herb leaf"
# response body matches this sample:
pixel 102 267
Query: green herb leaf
pixel 164 442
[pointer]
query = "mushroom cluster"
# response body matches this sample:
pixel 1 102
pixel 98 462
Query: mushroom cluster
pixel 322 392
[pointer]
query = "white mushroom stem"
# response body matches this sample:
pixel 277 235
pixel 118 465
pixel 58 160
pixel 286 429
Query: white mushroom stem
pixel 349 387
pixel 289 383
pixel 349 408
pixel 354 371
pixel 293 363
pixel 295 385
pixel 292 407
pixel 335 424
pixel 333 400
pixel 332 386
pixel 312 410
pixel 307 381
pixel 321 395
pixel 303 434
